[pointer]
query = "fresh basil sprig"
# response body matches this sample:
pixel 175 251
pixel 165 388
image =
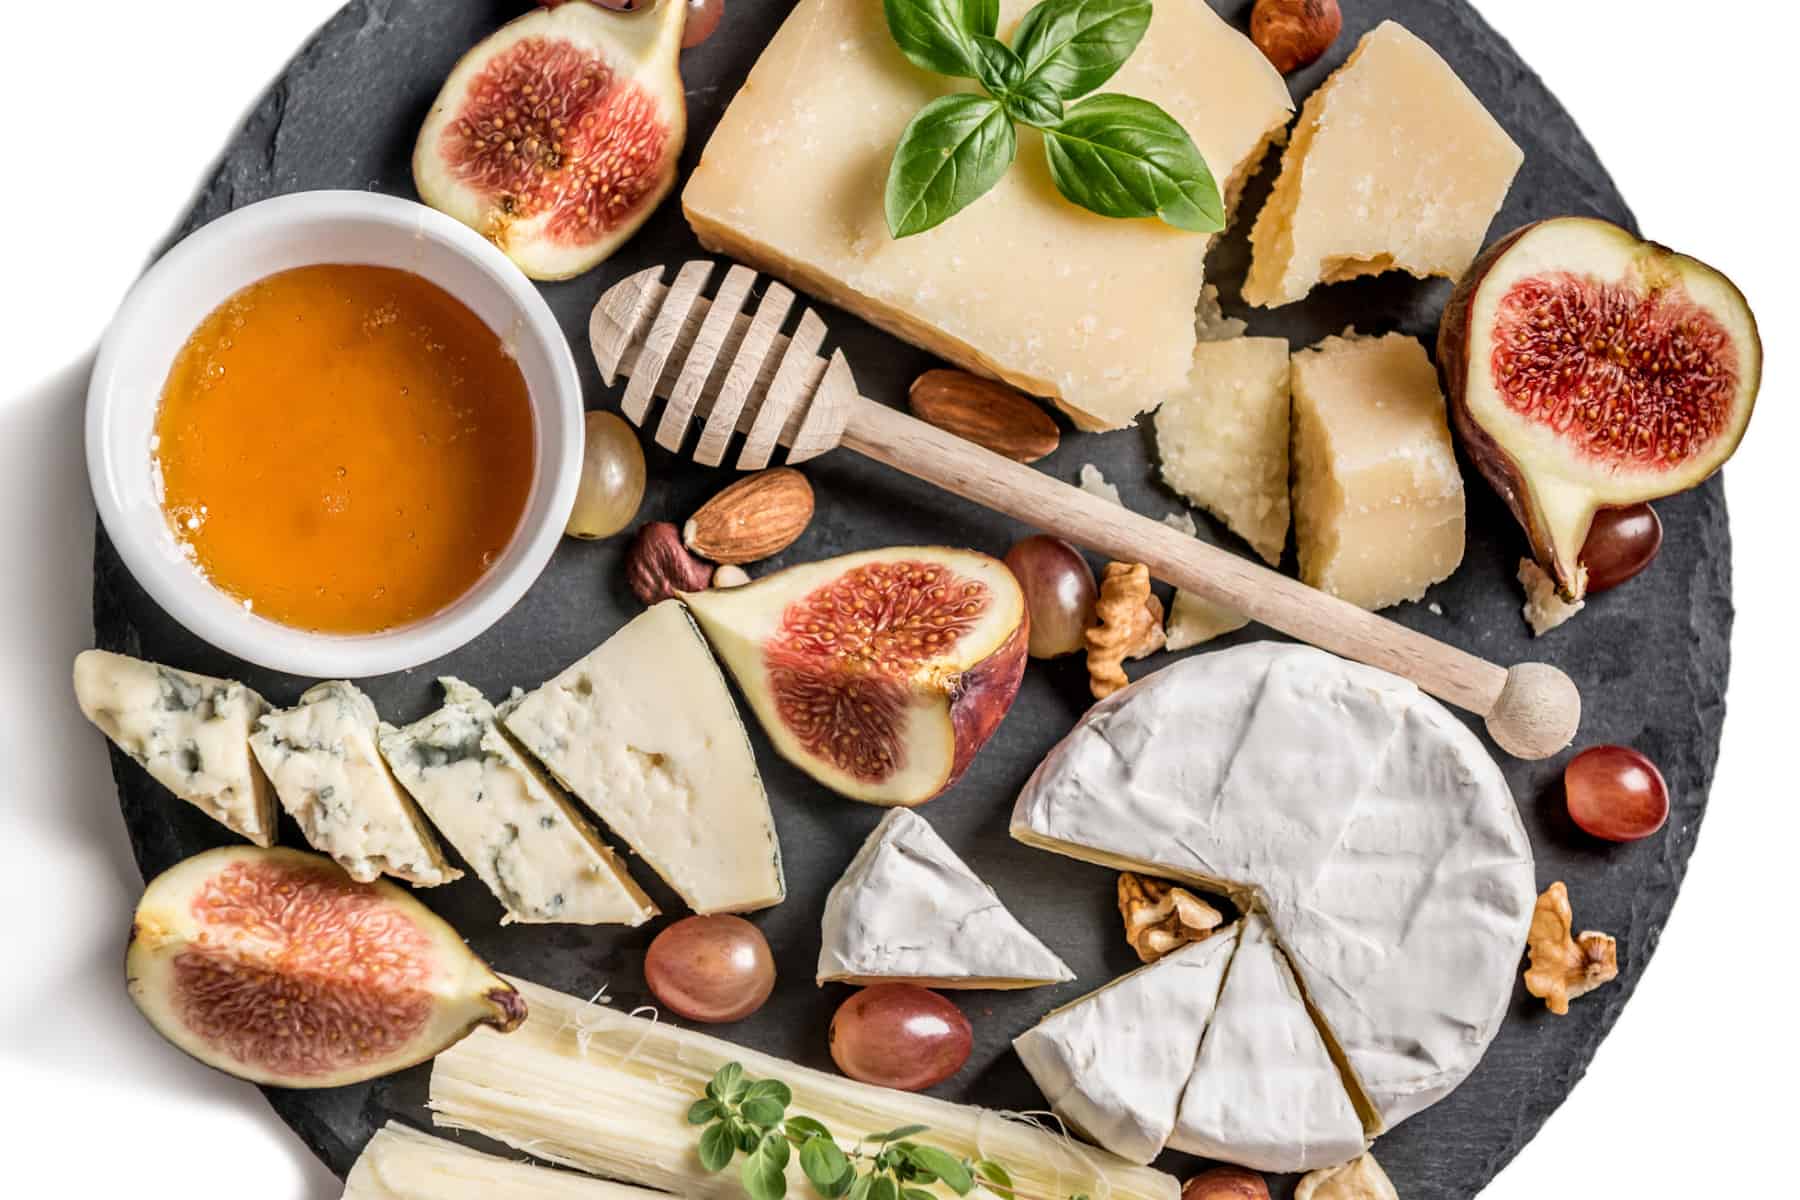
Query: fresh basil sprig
pixel 1114 155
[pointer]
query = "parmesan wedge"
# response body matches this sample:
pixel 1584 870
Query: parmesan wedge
pixel 586 1087
pixel 400 1163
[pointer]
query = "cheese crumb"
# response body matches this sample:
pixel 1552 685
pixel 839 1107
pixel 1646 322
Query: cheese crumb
pixel 1544 608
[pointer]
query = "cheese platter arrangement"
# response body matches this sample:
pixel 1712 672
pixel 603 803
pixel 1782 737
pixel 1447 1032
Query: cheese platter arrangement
pixel 894 600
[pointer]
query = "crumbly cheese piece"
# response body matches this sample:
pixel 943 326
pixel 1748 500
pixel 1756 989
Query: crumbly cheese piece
pixel 908 910
pixel 1223 440
pixel 401 1163
pixel 1545 608
pixel 1194 620
pixel 1395 166
pixel 536 853
pixel 1264 1092
pixel 190 732
pixel 322 758
pixel 1210 322
pixel 1115 1062
pixel 644 732
pixel 1368 823
pixel 792 183
pixel 1378 498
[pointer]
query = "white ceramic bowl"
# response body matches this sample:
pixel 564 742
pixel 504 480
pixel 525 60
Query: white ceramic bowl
pixel 236 250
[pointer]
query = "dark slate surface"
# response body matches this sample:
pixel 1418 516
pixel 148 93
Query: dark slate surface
pixel 1651 658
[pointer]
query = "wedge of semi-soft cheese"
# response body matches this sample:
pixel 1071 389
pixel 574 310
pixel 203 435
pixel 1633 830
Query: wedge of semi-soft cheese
pixel 1115 1062
pixel 401 1163
pixel 1094 313
pixel 538 855
pixel 1394 166
pixel 1365 821
pixel 908 910
pixel 329 774
pixel 1378 497
pixel 645 734
pixel 1264 1092
pixel 190 732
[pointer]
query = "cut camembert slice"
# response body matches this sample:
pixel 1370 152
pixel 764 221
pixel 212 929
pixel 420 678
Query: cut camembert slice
pixel 645 734
pixel 190 732
pixel 527 842
pixel 1094 313
pixel 1114 1063
pixel 908 910
pixel 1394 166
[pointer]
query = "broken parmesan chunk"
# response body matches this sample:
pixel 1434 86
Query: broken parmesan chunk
pixel 1545 609
pixel 1378 498
pixel 1195 619
pixel 1395 166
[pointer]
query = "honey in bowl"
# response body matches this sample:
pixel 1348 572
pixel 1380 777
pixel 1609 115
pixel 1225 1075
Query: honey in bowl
pixel 344 448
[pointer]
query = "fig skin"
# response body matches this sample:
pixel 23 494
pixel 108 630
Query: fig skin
pixel 1504 472
pixel 448 993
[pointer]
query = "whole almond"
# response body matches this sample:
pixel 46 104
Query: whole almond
pixel 755 517
pixel 989 414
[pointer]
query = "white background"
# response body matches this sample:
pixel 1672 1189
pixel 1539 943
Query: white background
pixel 111 112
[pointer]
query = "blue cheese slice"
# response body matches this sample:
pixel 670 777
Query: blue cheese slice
pixel 1114 1063
pixel 909 910
pixel 190 732
pixel 529 844
pixel 321 756
pixel 645 734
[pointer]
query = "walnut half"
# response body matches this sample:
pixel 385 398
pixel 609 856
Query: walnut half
pixel 1359 1179
pixel 1564 966
pixel 1130 626
pixel 1160 917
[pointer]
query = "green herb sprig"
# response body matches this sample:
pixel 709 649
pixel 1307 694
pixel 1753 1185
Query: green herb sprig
pixel 1114 155
pixel 749 1117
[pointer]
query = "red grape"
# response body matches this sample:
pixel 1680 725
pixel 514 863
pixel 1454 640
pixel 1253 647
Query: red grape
pixel 702 19
pixel 712 969
pixel 1616 793
pixel 1621 542
pixel 901 1036
pixel 1059 594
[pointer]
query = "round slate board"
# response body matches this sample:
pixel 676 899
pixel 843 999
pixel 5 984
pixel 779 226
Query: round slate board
pixel 1651 658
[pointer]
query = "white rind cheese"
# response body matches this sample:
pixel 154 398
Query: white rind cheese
pixel 1264 1092
pixel 527 842
pixel 645 734
pixel 1366 821
pixel 1114 1063
pixel 190 732
pixel 907 909
pixel 322 758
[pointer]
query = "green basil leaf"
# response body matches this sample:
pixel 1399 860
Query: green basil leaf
pixel 894 1135
pixel 826 1166
pixel 805 1127
pixel 944 1165
pixel 935 34
pixel 997 67
pixel 718 1147
pixel 955 149
pixel 1077 45
pixel 1035 103
pixel 763 1177
pixel 997 1178
pixel 1124 157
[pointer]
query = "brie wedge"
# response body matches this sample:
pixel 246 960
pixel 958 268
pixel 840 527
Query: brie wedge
pixel 1368 824
pixel 908 910
pixel 527 842
pixel 1264 1092
pixel 1114 1063
pixel 322 759
pixel 645 734
pixel 190 732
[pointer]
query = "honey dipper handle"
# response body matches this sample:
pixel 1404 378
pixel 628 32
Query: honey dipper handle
pixel 1532 710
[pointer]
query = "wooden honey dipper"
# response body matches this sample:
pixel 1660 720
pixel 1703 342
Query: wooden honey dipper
pixel 735 372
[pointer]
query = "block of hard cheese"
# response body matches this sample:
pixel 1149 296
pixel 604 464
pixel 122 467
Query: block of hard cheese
pixel 1395 166
pixel 1378 499
pixel 1095 313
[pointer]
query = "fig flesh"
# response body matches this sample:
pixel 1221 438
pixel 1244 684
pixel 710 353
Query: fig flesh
pixel 880 674
pixel 1587 369
pixel 558 135
pixel 275 966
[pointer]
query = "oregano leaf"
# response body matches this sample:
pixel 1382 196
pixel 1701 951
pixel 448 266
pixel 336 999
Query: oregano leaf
pixel 702 1111
pixel 718 1147
pixel 884 1188
pixel 805 1127
pixel 826 1166
pixel 944 1165
pixel 728 1084
pixel 762 1176
pixel 765 1111
pixel 997 1178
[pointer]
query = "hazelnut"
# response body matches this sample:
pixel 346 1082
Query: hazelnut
pixel 1225 1183
pixel 657 565
pixel 1294 33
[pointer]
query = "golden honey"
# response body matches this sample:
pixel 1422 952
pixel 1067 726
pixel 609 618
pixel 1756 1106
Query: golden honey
pixel 344 448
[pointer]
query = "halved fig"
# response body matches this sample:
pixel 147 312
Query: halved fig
pixel 557 136
pixel 879 674
pixel 1587 369
pixel 275 966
